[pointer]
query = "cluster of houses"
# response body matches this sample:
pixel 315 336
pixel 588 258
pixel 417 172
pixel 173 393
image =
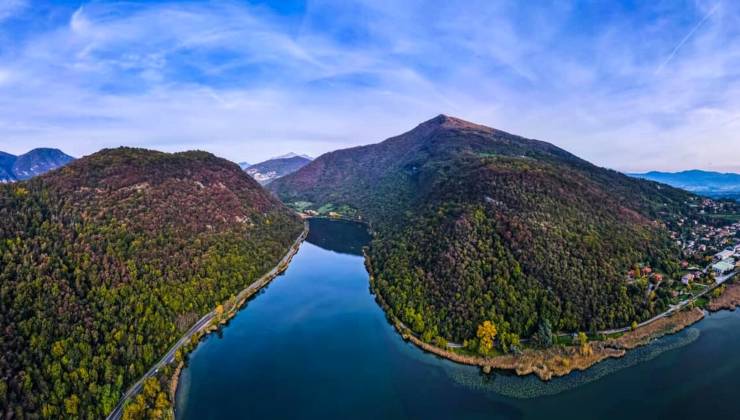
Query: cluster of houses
pixel 314 213
pixel 646 272
pixel 712 206
pixel 689 277
pixel 698 238
pixel 700 244
pixel 702 238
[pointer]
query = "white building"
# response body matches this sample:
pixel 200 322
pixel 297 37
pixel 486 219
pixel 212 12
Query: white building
pixel 727 253
pixel 724 266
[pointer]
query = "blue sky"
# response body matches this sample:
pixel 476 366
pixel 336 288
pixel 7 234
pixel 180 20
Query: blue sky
pixel 630 85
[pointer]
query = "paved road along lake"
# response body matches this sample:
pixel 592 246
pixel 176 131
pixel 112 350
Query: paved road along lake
pixel 315 345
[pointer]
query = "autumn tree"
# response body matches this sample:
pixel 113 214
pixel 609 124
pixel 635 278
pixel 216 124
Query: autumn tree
pixel 486 334
pixel 219 312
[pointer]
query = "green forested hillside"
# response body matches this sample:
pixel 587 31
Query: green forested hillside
pixel 105 262
pixel 510 240
pixel 476 224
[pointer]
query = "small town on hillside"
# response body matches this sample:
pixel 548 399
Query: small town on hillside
pixel 710 255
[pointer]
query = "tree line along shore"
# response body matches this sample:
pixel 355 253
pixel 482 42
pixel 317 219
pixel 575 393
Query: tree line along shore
pixel 565 353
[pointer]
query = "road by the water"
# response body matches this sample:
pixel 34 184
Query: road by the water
pixel 202 324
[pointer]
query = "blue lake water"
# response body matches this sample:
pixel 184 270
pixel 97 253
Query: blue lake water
pixel 314 344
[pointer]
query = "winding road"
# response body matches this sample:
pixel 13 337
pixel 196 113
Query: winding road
pixel 203 323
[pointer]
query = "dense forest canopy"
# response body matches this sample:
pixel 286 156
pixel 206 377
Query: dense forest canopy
pixel 106 262
pixel 476 224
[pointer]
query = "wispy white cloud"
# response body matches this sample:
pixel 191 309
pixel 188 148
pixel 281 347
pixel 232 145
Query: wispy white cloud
pixel 248 82
pixel 10 8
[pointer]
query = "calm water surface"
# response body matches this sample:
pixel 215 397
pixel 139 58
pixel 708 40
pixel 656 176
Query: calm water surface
pixel 314 344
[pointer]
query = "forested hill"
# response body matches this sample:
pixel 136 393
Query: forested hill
pixel 477 224
pixel 385 178
pixel 107 261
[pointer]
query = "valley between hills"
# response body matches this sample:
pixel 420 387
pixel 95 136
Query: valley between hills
pixel 487 248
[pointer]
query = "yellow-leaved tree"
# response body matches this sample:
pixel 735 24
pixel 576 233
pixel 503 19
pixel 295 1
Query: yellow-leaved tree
pixel 486 334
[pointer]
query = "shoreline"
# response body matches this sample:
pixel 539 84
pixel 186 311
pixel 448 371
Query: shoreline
pixel 174 382
pixel 546 364
pixel 729 300
pixel 241 299
pixel 194 335
pixel 556 361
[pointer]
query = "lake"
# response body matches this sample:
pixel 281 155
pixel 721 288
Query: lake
pixel 314 344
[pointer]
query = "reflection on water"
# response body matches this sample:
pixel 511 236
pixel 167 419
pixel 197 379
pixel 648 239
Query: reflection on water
pixel 315 345
pixel 338 235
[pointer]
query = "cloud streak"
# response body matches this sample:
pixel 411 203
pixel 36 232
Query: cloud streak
pixel 686 38
pixel 249 81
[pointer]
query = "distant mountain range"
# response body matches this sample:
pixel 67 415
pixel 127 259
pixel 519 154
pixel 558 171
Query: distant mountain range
pixel 36 162
pixel 712 184
pixel 272 169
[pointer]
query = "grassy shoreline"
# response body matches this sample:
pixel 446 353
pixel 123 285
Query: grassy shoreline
pixel 729 300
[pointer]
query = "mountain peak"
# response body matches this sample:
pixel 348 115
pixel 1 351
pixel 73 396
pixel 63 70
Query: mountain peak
pixel 446 121
pixel 45 150
pixel 292 155
pixel 30 164
pixel 271 169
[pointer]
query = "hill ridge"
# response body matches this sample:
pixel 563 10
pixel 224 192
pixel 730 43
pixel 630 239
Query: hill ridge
pixel 111 259
pixel 469 217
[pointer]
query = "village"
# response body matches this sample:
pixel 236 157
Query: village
pixel 709 241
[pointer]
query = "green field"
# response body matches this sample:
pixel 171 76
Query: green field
pixel 301 205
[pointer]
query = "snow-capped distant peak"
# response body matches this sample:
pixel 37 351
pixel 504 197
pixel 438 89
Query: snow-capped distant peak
pixel 292 155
